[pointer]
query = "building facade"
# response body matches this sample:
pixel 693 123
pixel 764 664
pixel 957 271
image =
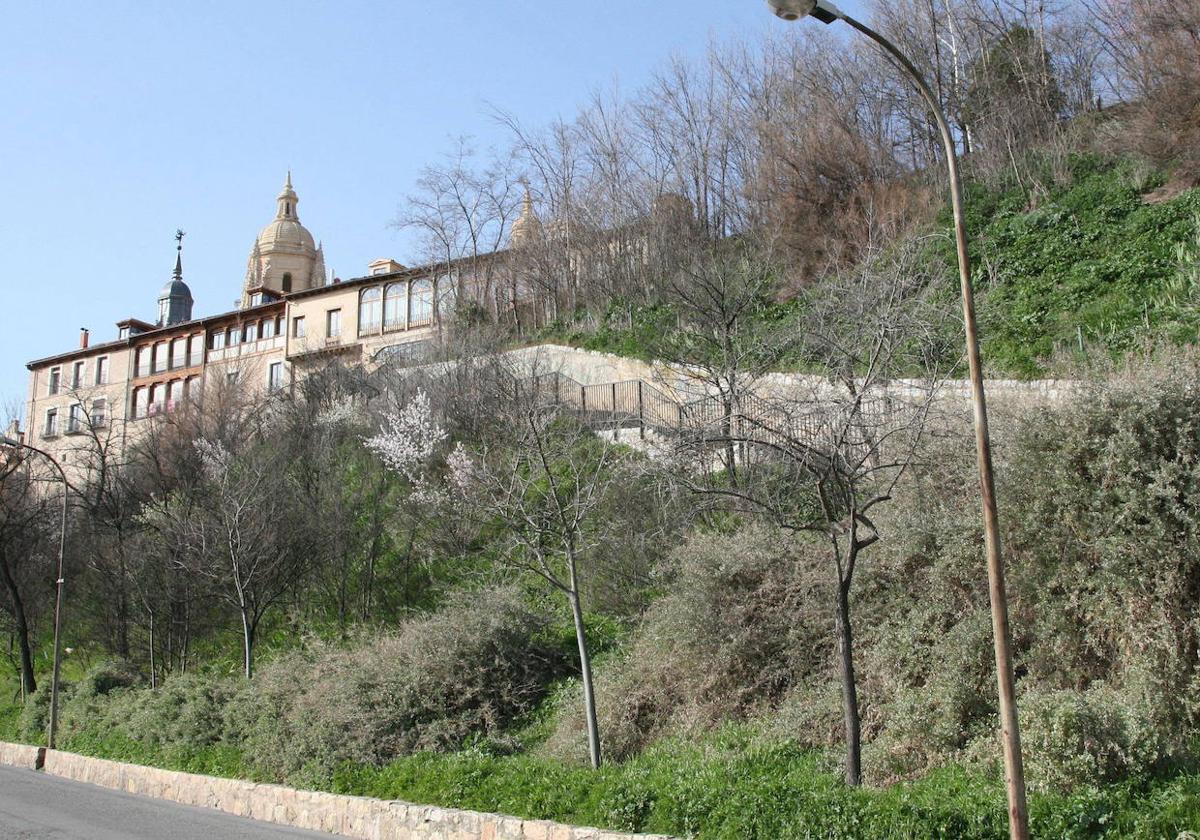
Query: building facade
pixel 292 318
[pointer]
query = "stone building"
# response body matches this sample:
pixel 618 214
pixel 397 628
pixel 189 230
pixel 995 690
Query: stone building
pixel 291 316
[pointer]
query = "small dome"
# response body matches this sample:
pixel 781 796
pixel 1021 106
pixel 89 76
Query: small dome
pixel 175 289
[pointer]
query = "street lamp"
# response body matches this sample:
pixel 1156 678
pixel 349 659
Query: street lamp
pixel 1018 814
pixel 58 602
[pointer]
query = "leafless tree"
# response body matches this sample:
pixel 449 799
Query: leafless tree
pixel 818 454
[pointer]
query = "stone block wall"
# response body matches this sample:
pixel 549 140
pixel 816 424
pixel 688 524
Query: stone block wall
pixel 349 816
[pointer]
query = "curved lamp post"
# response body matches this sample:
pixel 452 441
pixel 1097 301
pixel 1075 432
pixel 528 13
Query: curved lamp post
pixel 1018 815
pixel 58 602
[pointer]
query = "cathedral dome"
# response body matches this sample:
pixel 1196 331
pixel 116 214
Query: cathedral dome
pixel 284 257
pixel 286 231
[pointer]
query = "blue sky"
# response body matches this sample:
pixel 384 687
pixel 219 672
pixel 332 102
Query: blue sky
pixel 121 121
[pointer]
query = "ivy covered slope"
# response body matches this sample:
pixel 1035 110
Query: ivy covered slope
pixel 1064 268
pixel 1092 260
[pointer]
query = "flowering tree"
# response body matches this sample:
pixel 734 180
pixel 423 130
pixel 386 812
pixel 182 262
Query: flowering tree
pixel 545 491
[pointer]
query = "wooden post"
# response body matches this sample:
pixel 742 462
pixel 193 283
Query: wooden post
pixel 641 413
pixel 616 419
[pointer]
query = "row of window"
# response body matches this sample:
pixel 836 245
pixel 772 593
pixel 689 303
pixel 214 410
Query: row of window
pixel 401 306
pixel 246 333
pixel 160 397
pixel 181 352
pixel 77 420
pixel 396 306
pixel 78 376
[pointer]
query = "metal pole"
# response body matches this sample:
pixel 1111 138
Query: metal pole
pixel 1014 772
pixel 52 729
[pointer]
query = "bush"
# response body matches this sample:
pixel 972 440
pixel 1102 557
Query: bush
pixel 472 669
pixel 724 643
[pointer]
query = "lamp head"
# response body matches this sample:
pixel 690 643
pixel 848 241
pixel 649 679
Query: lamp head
pixel 792 9
pixel 822 10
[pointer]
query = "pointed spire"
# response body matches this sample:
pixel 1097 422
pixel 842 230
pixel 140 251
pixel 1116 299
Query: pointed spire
pixel 527 226
pixel 179 234
pixel 287 201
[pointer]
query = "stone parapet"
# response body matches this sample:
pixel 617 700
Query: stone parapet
pixel 348 816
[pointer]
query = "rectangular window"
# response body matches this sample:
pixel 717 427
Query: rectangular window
pixel 160 357
pixel 55 381
pixel 275 376
pixel 99 413
pixel 268 328
pixel 51 423
pixel 175 395
pixel 75 419
pixel 250 333
pixel 102 370
pixel 298 327
pixel 333 323
pixel 218 340
pixel 178 353
pixel 141 402
pixel 143 361
pixel 77 372
pixel 195 350
pixel 158 398
pixel 235 336
pixel 231 378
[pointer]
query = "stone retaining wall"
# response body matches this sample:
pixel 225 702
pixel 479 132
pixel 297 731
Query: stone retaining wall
pixel 349 816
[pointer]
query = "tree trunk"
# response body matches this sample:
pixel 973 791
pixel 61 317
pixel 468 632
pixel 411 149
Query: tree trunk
pixel 585 668
pixel 153 673
pixel 247 643
pixel 28 682
pixel 845 638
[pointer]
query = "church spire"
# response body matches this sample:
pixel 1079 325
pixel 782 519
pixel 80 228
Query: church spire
pixel 287 201
pixel 179 234
pixel 527 227
pixel 175 300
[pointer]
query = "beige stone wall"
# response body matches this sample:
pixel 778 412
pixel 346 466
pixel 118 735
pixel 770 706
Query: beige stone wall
pixel 589 367
pixel 348 816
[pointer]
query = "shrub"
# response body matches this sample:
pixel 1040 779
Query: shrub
pixel 472 669
pixel 724 643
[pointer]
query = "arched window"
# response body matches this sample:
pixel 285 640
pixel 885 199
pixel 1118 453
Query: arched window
pixel 369 311
pixel 420 303
pixel 447 296
pixel 394 305
pixel 287 282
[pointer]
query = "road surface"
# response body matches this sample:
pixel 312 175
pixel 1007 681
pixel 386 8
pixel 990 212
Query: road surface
pixel 34 806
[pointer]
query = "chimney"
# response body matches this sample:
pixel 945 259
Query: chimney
pixel 83 338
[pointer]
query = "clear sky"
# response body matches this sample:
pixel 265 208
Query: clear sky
pixel 122 121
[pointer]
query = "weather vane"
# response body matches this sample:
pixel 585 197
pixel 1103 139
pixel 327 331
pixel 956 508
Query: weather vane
pixel 179 234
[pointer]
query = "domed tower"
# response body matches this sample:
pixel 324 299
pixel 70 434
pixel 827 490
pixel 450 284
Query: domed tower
pixel 527 227
pixel 175 300
pixel 284 257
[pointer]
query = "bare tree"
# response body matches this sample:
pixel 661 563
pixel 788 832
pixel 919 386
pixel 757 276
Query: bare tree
pixel 820 453
pixel 26 564
pixel 546 493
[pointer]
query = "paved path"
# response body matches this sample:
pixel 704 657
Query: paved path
pixel 34 806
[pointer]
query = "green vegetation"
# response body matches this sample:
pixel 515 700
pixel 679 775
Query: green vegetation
pixel 716 709
pixel 1091 261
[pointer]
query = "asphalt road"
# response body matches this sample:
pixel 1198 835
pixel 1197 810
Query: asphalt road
pixel 34 806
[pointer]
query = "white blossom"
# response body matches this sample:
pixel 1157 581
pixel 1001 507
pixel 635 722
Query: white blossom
pixel 462 469
pixel 410 440
pixel 214 457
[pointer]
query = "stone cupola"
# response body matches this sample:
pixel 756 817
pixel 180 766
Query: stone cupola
pixel 284 257
pixel 527 228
